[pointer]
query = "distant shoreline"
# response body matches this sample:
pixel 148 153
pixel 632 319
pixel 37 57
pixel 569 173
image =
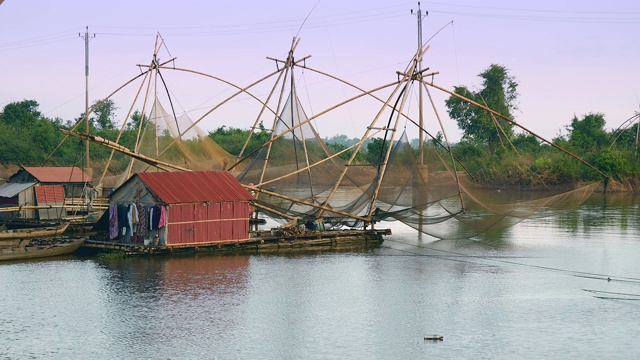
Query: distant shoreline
pixel 614 186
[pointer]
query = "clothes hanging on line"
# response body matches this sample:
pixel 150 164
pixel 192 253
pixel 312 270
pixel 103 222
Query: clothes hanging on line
pixel 113 221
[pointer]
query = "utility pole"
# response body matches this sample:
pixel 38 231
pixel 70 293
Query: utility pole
pixel 421 119
pixel 420 197
pixel 86 39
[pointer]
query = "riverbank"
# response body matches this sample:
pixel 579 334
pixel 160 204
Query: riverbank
pixel 613 186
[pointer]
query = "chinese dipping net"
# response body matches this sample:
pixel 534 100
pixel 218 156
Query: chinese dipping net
pixel 428 197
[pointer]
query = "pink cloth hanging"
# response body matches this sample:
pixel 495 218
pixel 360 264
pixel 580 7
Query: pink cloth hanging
pixel 162 222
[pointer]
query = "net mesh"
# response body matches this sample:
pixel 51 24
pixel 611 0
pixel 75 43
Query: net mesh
pixel 310 182
pixel 178 141
pixel 431 196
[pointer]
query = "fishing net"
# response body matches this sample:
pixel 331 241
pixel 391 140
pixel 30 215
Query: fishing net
pixel 298 165
pixel 428 195
pixel 300 178
pixel 177 141
pixel 437 201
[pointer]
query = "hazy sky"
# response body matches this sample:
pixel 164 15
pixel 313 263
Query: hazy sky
pixel 569 57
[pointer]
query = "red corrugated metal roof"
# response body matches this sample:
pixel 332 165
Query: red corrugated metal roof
pixel 195 186
pixel 48 194
pixel 58 174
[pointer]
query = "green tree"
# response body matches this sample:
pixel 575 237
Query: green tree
pixel 134 123
pixel 27 137
pixel 233 139
pixel 499 93
pixel 376 151
pixel 102 115
pixel 22 113
pixel 588 134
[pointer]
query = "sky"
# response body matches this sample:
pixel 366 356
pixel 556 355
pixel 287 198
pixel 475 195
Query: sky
pixel 570 58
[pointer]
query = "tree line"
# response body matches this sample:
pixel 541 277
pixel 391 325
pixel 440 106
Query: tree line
pixel 491 148
pixel 28 138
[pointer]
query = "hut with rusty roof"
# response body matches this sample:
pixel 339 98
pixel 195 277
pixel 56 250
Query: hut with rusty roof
pixel 46 187
pixel 179 209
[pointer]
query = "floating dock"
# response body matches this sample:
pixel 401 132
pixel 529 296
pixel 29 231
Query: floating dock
pixel 259 241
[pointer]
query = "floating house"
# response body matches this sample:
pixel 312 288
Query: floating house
pixel 45 186
pixel 177 209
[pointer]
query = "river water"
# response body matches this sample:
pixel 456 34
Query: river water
pixel 545 289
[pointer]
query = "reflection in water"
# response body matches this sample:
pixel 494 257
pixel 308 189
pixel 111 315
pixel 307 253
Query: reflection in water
pixel 601 211
pixel 151 299
pixel 516 293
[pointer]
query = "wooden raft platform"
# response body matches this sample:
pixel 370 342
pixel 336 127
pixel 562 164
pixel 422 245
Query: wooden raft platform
pixel 259 241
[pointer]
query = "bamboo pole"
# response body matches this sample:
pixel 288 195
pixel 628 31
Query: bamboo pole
pixel 383 168
pixel 162 165
pixel 499 129
pixel 294 102
pixel 299 201
pixel 44 207
pixel 620 130
pixel 344 172
pixel 310 119
pixel 268 209
pixel 240 91
pixel 136 147
pixel 365 136
pixel 446 139
pixel 110 144
pixel 379 99
pixel 274 126
pixel 86 116
pixel 106 167
pixel 317 163
pixel 518 125
pixel 287 68
pixel 264 106
pixel 448 147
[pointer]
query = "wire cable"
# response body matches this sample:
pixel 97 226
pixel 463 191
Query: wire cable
pixel 576 273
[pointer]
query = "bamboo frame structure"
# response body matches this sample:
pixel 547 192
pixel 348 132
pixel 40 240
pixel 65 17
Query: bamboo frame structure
pixel 399 92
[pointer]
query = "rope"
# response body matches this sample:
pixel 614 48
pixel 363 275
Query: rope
pixel 548 268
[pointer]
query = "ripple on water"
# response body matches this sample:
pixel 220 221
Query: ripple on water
pixel 513 298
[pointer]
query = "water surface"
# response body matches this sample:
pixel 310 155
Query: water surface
pixel 515 294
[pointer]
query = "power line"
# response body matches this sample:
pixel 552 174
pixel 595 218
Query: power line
pixel 592 20
pixel 599 12
pixel 543 15
pixel 367 15
pixel 349 18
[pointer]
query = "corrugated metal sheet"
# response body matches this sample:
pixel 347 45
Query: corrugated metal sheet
pixel 58 174
pixel 50 195
pixel 195 186
pixel 204 206
pixel 12 189
pixel 205 223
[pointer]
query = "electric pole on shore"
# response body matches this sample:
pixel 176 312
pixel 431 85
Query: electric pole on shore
pixel 86 39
